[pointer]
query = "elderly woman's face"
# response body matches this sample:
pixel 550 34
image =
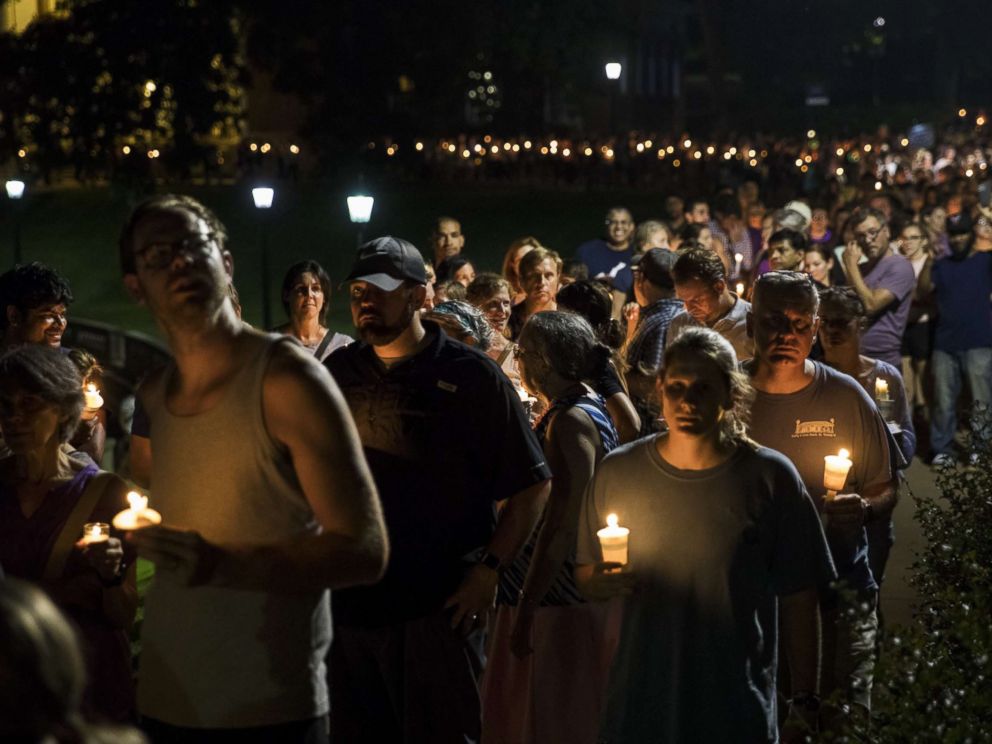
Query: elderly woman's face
pixel 497 310
pixel 27 420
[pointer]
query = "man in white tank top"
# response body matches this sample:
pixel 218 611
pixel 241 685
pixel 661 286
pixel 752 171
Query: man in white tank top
pixel 266 497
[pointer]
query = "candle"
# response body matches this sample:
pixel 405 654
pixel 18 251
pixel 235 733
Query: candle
pixel 613 540
pixel 93 398
pixel 881 389
pixel 138 515
pixel 835 470
pixel 740 289
pixel 95 532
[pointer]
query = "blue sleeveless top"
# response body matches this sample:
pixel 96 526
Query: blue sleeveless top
pixel 563 591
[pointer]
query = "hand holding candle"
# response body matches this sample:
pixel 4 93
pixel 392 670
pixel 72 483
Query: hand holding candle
pixel 93 398
pixel 138 515
pixel 613 540
pixel 835 470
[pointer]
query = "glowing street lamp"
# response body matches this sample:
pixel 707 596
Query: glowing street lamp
pixel 15 192
pixel 15 189
pixel 360 211
pixel 613 72
pixel 263 197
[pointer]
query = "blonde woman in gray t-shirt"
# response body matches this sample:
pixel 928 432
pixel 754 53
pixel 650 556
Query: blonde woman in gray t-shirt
pixel 722 534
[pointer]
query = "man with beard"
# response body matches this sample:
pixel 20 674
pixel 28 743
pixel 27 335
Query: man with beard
pixel 807 411
pixel 266 497
pixel 610 259
pixel 962 284
pixel 447 439
pixel 884 282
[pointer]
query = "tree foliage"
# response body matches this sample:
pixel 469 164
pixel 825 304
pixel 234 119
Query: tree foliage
pixel 102 83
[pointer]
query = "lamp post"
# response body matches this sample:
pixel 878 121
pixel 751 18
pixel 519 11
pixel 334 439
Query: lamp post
pixel 15 191
pixel 360 212
pixel 263 196
pixel 613 72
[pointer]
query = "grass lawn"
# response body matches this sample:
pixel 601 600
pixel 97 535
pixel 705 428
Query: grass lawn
pixel 76 231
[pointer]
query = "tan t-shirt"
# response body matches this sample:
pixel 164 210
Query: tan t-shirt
pixel 224 658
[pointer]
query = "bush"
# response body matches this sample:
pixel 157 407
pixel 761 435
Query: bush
pixel 933 680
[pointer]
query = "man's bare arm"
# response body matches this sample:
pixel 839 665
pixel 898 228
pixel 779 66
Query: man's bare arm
pixel 305 413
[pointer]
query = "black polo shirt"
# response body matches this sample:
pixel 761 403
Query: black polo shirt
pixel 446 437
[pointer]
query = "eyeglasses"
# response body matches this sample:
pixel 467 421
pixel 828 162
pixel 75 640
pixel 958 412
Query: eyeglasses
pixel 868 236
pixel 157 256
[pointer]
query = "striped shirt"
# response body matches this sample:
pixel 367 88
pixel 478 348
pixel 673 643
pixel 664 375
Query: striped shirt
pixel 563 591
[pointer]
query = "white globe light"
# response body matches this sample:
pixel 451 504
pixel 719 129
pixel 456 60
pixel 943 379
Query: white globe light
pixel 15 189
pixel 360 208
pixel 263 197
pixel 613 70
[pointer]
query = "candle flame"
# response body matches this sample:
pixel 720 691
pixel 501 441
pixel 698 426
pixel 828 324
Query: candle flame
pixel 612 521
pixel 137 501
pixel 844 453
pixel 90 388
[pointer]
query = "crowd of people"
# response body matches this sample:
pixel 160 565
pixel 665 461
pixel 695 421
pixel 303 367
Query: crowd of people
pixel 403 536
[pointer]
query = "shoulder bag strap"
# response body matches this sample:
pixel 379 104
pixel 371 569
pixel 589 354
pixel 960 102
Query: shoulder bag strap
pixel 322 346
pixel 72 530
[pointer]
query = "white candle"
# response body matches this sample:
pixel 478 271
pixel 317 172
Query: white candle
pixel 881 389
pixel 835 470
pixel 93 398
pixel 613 541
pixel 95 532
pixel 138 515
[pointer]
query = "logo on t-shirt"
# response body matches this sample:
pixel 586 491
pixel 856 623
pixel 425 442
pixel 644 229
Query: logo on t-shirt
pixel 814 429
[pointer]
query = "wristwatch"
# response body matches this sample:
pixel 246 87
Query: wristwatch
pixel 489 560
pixel 867 510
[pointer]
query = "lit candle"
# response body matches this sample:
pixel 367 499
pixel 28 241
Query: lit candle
pixel 881 389
pixel 138 515
pixel 93 398
pixel 835 470
pixel 95 532
pixel 613 540
pixel 740 289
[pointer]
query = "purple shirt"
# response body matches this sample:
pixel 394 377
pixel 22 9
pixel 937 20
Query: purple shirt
pixel 883 339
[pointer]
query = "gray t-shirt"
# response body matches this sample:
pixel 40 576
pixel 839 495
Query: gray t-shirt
pixel 711 549
pixel 830 413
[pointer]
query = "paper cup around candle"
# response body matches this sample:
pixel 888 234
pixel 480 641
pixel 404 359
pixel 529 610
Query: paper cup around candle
pixel 881 389
pixel 93 398
pixel 95 532
pixel 138 515
pixel 835 470
pixel 613 541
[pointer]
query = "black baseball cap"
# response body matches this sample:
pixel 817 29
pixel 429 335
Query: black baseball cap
pixel 387 262
pixel 656 265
